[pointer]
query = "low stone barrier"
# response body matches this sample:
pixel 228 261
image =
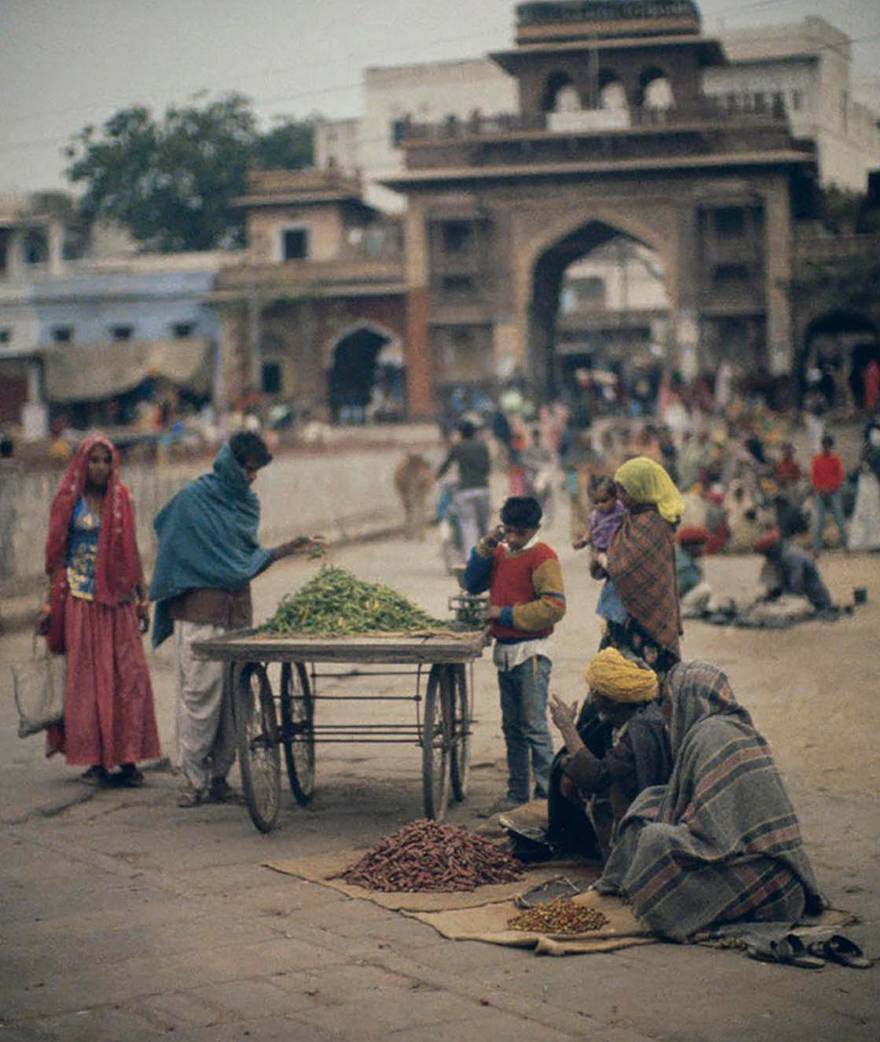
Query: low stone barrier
pixel 343 494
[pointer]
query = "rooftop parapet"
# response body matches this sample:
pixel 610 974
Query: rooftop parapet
pixel 599 19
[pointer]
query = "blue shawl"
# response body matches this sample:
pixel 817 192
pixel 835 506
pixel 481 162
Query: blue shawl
pixel 207 538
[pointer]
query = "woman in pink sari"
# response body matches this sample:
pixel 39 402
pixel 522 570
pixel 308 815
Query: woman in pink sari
pixel 96 613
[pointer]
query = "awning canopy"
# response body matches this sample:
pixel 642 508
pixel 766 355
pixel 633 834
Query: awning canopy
pixel 101 371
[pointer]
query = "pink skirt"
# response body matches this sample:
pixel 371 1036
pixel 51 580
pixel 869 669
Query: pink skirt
pixel 109 718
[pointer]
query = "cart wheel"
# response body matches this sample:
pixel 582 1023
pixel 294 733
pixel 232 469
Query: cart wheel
pixel 298 730
pixel 436 742
pixel 460 753
pixel 258 757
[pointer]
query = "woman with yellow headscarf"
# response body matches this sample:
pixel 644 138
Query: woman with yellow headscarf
pixel 641 564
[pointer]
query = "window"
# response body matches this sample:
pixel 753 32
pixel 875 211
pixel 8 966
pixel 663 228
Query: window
pixel 295 244
pixel 272 377
pixel 399 128
pixel 62 334
pixel 760 101
pixel 122 332
pixel 731 101
pixel 730 276
pixel 797 100
pixel 458 284
pixel 182 330
pixel 778 100
pixel 456 236
pixel 36 248
pixel 730 222
pixel 5 335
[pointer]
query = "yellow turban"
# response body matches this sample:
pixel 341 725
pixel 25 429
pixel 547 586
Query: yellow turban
pixel 617 678
pixel 647 482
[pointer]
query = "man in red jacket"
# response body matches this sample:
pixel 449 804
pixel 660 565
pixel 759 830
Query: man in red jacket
pixel 827 476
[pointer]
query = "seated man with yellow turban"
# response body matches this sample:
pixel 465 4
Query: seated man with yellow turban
pixel 617 747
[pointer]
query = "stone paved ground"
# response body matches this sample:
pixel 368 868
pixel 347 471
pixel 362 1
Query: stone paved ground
pixel 124 918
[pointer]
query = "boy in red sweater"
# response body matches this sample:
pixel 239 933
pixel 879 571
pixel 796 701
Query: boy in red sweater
pixel 526 600
pixel 827 476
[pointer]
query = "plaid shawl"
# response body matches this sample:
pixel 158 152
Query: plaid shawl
pixel 641 562
pixel 721 842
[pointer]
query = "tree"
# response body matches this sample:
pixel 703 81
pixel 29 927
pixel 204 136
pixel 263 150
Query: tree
pixel 171 182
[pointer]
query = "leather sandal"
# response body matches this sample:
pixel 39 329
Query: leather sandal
pixel 842 950
pixel 789 951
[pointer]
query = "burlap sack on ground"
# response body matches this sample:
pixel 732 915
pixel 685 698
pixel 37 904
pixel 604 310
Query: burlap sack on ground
pixel 488 923
pixel 323 868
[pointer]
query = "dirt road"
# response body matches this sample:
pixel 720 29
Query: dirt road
pixel 124 917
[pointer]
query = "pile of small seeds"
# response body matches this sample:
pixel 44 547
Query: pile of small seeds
pixel 430 856
pixel 337 602
pixel 559 916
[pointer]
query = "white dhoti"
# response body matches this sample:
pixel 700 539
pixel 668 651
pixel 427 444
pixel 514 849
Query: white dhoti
pixel 204 728
pixel 864 530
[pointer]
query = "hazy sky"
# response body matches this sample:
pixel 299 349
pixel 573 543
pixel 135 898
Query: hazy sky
pixel 66 63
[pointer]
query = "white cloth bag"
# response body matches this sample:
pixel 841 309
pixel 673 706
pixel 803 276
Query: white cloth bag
pixel 38 686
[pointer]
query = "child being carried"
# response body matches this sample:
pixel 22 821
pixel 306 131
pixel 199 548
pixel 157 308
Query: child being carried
pixel 604 520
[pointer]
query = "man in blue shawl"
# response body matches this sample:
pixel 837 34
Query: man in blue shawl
pixel 208 554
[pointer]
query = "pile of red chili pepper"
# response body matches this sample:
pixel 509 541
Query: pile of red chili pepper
pixel 430 856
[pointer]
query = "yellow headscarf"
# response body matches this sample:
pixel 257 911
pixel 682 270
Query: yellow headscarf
pixel 617 678
pixel 647 482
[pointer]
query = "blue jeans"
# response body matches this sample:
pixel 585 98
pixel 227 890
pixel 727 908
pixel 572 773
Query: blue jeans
pixel 524 723
pixel 828 501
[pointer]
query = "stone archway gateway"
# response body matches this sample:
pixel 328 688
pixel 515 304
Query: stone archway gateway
pixel 838 345
pixel 365 371
pixel 494 208
pixel 572 324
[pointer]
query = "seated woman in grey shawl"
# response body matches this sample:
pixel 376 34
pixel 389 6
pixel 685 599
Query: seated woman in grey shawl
pixel 721 842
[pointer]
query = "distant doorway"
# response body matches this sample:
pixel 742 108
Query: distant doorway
pixel 366 376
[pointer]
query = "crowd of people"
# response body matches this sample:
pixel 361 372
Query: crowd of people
pixel 662 774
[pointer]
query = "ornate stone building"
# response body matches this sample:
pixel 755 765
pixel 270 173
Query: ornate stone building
pixel 613 138
pixel 614 161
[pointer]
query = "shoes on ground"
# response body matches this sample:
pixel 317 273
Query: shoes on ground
pixel 190 797
pixel 96 775
pixel 222 792
pixel 129 777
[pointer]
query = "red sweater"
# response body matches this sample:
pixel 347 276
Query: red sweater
pixel 529 582
pixel 826 472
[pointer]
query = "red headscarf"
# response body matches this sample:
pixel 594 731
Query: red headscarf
pixel 116 570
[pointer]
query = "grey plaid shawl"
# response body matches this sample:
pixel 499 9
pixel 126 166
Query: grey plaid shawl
pixel 721 841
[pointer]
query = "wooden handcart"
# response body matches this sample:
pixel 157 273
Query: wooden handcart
pixel 269 720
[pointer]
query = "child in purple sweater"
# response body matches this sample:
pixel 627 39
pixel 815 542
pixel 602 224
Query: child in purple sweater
pixel 604 519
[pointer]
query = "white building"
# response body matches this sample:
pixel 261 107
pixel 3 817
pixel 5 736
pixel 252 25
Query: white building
pixel 427 93
pixel 804 68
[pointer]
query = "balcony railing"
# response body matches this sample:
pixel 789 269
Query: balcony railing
pixel 704 112
pixel 818 248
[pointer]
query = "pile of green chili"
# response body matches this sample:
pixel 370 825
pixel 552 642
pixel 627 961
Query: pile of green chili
pixel 337 602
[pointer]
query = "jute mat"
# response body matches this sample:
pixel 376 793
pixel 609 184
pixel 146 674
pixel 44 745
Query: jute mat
pixel 322 869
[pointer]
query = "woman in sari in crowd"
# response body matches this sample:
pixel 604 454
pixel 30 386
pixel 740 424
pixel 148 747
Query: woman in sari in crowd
pixel 641 563
pixel 95 614
pixel 721 842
